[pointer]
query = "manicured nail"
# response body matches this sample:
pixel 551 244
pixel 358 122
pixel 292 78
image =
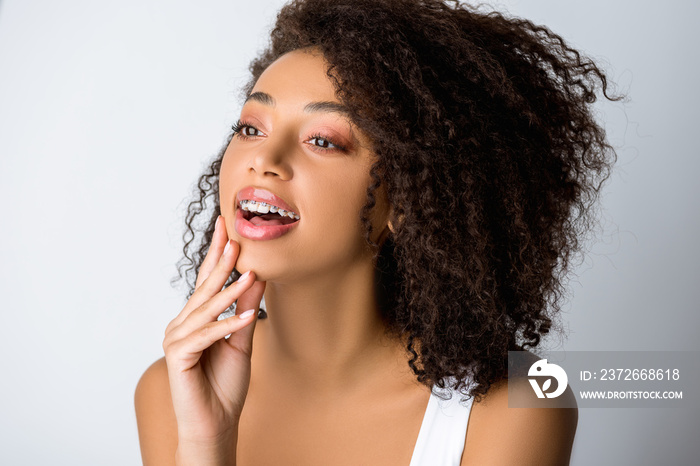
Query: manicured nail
pixel 244 276
pixel 218 220
pixel 228 246
pixel 247 314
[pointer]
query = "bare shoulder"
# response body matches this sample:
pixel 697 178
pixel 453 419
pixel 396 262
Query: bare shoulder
pixel 155 416
pixel 499 435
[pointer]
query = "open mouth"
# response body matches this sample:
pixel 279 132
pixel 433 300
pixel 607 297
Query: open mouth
pixel 264 214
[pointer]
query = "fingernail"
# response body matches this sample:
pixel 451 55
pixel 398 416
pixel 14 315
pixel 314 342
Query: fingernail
pixel 247 314
pixel 218 220
pixel 228 246
pixel 244 276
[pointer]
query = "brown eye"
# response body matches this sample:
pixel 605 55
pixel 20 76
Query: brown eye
pixel 249 131
pixel 245 130
pixel 323 143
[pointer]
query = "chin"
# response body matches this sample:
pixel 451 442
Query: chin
pixel 265 263
pixel 247 260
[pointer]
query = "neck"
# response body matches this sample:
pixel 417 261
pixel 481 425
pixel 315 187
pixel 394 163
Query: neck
pixel 326 331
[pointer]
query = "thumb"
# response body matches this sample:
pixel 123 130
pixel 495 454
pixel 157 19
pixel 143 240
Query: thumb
pixel 243 338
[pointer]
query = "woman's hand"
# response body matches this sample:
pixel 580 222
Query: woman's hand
pixel 209 375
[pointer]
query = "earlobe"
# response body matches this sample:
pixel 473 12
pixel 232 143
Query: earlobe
pixel 388 229
pixel 391 224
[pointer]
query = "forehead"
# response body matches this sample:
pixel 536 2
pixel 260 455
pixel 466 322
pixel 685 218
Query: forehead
pixel 300 75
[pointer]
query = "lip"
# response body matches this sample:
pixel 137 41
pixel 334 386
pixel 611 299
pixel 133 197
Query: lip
pixel 259 232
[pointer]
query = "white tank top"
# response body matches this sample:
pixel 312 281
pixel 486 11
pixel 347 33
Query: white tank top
pixel 443 431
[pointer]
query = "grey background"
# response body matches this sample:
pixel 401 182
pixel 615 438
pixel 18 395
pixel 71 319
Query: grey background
pixel 109 111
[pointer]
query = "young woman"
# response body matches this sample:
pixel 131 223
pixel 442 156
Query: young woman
pixel 406 185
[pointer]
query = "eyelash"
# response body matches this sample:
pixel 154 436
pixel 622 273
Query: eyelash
pixel 238 129
pixel 336 146
pixel 240 125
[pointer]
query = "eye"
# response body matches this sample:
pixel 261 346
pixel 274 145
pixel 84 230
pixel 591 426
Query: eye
pixel 245 130
pixel 250 131
pixel 320 142
pixel 324 143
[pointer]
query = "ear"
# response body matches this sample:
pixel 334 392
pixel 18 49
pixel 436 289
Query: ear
pixel 389 228
pixel 395 221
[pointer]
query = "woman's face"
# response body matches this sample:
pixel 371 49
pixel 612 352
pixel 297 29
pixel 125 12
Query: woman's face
pixel 296 153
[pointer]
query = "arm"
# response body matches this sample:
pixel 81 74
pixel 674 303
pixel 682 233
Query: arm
pixel 498 435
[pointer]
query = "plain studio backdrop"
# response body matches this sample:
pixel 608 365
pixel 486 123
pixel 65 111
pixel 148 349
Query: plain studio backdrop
pixel 110 110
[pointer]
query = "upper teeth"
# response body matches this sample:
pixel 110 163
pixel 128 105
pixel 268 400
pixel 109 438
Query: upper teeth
pixel 264 208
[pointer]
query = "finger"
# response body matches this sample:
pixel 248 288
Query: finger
pixel 250 299
pixel 211 286
pixel 210 310
pixel 219 274
pixel 216 248
pixel 188 349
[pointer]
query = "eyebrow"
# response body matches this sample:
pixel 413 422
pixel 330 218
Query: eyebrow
pixel 324 106
pixel 261 97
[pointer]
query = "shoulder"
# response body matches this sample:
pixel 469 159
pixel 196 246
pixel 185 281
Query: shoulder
pixel 155 416
pixel 499 435
pixel 153 388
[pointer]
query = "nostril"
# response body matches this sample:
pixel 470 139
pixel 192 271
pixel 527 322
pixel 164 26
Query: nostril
pixel 268 163
pixel 265 172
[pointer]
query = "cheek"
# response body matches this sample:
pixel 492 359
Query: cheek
pixel 227 177
pixel 339 200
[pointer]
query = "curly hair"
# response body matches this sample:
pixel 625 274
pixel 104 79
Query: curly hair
pixel 491 159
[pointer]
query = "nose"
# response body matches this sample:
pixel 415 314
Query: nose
pixel 272 159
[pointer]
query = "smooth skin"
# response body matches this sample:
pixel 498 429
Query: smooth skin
pixel 318 382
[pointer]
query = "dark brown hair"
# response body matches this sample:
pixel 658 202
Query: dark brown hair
pixel 490 157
